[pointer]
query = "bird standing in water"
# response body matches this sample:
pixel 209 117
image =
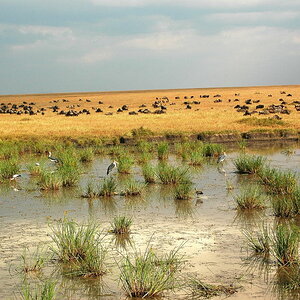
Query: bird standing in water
pixel 111 167
pixel 222 157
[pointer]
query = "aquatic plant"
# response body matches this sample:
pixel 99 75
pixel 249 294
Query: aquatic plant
pixel 108 187
pixel 259 242
pixel 249 164
pixel 183 191
pixel 133 187
pixel 44 291
pixel 35 169
pixel 86 154
pixel 277 181
pixel 251 197
pixel 163 150
pixel 198 289
pixel 50 180
pixel 8 168
pixel 121 225
pixel 283 206
pixel 33 261
pixel 211 149
pixel 125 162
pixel 149 173
pixel 196 158
pixel 90 191
pixel 168 174
pixel 145 275
pixel 285 240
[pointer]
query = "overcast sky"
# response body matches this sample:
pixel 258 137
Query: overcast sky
pixel 102 45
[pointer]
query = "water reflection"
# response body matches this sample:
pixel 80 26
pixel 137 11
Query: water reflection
pixel 184 208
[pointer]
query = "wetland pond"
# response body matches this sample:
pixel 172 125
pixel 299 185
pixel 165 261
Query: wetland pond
pixel 207 229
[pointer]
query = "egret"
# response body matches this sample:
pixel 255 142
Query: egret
pixel 53 159
pixel 14 177
pixel 111 167
pixel 221 158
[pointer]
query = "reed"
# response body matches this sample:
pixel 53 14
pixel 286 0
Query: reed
pixel 8 168
pixel 251 197
pixel 168 174
pixel 44 291
pixel 133 187
pixel 183 191
pixel 121 225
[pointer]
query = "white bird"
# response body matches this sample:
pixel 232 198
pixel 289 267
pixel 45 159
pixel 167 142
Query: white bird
pixel 222 157
pixel 15 176
pixel 111 167
pixel 37 164
pixel 53 159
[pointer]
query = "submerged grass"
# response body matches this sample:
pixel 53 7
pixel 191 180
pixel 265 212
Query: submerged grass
pixel 33 261
pixel 90 191
pixel 249 164
pixel 45 291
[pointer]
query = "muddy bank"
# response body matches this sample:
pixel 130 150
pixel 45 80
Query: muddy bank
pixel 252 136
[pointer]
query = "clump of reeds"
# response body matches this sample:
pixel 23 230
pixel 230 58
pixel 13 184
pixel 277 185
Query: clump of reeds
pixel 80 247
pixel 249 164
pixel 144 157
pixel 8 168
pixel 121 225
pixel 163 150
pixel 183 191
pixel 283 206
pixel 133 187
pixel 90 191
pixel 86 154
pixel 172 175
pixel 144 275
pixel 108 187
pixel 50 180
pixel 125 162
pixel 45 291
pixel 210 149
pixel 286 244
pixel 260 241
pixel 251 197
pixel 196 158
pixel 277 181
pixel 33 261
pixel 35 169
pixel 201 290
pixel 148 173
pixel 144 146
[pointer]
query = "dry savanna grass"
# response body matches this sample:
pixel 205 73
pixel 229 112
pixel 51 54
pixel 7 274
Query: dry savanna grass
pixel 207 116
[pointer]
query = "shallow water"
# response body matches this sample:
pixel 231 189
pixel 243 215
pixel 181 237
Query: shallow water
pixel 208 226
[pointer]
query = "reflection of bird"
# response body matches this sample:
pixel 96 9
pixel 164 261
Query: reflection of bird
pixel 221 158
pixel 53 159
pixel 221 170
pixel 111 167
pixel 15 176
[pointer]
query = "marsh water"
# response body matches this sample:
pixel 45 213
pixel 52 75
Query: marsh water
pixel 208 229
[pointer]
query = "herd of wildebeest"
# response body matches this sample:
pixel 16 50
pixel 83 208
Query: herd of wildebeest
pixel 159 106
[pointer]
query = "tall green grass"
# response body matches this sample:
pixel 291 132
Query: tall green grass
pixel 8 168
pixel 108 187
pixel 196 158
pixel 33 261
pixel 145 275
pixel 86 154
pixel 211 149
pixel 133 187
pixel 183 191
pixel 168 174
pixel 249 164
pixel 50 180
pixel 163 150
pixel 121 225
pixel 125 163
pixel 149 173
pixel 260 241
pixel 251 197
pixel 45 291
pixel 90 191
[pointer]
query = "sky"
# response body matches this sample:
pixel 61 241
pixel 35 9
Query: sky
pixel 107 45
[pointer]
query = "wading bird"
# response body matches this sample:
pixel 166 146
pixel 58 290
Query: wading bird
pixel 221 158
pixel 53 159
pixel 14 177
pixel 111 167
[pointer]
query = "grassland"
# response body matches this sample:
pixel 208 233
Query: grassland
pixel 207 116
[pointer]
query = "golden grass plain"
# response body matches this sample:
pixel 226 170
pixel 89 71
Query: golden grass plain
pixel 208 116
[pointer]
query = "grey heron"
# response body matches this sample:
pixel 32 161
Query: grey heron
pixel 111 167
pixel 15 176
pixel 222 157
pixel 53 159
